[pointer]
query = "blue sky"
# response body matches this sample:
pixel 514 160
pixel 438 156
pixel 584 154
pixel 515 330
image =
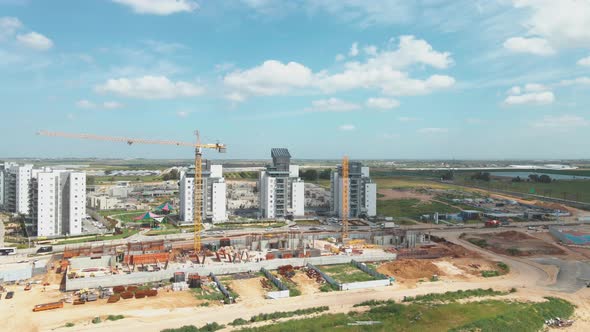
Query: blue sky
pixel 387 79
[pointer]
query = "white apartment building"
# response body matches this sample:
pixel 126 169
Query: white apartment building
pixel 57 202
pixel 214 194
pixel 362 193
pixel 15 183
pixel 281 191
pixel 3 181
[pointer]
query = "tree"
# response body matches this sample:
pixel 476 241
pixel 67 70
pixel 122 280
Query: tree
pixel 309 175
pixel 172 175
pixel 482 176
pixel 534 177
pixel 325 174
pixel 448 176
pixel 545 179
pixel 517 179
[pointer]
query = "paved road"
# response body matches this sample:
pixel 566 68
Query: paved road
pixel 572 275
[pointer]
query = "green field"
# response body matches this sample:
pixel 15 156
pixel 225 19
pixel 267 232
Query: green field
pixel 488 315
pixel 345 273
pixel 113 179
pixel 577 190
pixel 411 207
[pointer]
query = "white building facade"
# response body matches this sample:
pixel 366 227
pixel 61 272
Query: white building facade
pixel 282 192
pixel 15 180
pixel 214 194
pixel 57 202
pixel 362 193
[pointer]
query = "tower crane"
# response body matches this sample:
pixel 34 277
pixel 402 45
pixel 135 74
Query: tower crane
pixel 345 193
pixel 198 185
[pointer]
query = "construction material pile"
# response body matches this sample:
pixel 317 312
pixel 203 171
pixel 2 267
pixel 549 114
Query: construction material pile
pixel 313 274
pixel 558 322
pixel 265 283
pixel 287 271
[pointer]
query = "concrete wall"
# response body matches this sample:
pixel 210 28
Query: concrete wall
pixel 278 294
pixel 87 262
pixel 218 269
pixel 365 284
pixel 16 271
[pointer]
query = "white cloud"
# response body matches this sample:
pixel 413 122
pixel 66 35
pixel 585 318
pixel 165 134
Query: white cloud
pixel 340 57
pixel 537 46
pixel 564 23
pixel 111 105
pixel 35 41
pixel 384 71
pixel 270 78
pixel 8 26
pixel 561 122
pixel 382 103
pixel 347 127
pixel 576 81
pixel 432 131
pixel 85 104
pixel 332 105
pixel 531 94
pixel 584 61
pixel 149 87
pixel 534 87
pixel 159 7
pixel 182 114
pixel 370 50
pixel 236 97
pixel 515 90
pixel 533 98
pixel 354 49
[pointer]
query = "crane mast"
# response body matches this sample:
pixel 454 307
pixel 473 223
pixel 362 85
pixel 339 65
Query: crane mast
pixel 198 187
pixel 198 194
pixel 345 193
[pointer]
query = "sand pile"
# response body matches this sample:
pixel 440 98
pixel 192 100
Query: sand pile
pixel 410 269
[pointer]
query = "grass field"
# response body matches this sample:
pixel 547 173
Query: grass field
pixel 345 273
pixel 112 179
pixel 577 190
pixel 489 315
pixel 411 208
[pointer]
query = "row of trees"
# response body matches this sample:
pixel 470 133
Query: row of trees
pixel 314 175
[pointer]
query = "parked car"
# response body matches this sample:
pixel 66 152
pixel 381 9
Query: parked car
pixel 45 249
pixel 294 228
pixel 9 295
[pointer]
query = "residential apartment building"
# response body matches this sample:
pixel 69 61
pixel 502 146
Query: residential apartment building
pixel 362 193
pixel 15 187
pixel 57 202
pixel 3 181
pixel 214 194
pixel 281 191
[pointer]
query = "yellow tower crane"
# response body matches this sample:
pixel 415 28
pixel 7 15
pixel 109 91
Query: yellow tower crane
pixel 198 186
pixel 345 193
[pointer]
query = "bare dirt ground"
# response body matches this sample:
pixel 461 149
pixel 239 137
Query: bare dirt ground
pixel 402 194
pixel 306 285
pixel 524 244
pixel 250 290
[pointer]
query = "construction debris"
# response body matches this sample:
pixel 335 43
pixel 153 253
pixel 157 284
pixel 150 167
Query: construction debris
pixel 558 322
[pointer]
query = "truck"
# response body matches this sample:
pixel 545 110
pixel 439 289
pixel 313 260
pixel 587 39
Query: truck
pixel 492 223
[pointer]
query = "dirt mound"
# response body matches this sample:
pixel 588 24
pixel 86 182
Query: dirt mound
pixel 410 269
